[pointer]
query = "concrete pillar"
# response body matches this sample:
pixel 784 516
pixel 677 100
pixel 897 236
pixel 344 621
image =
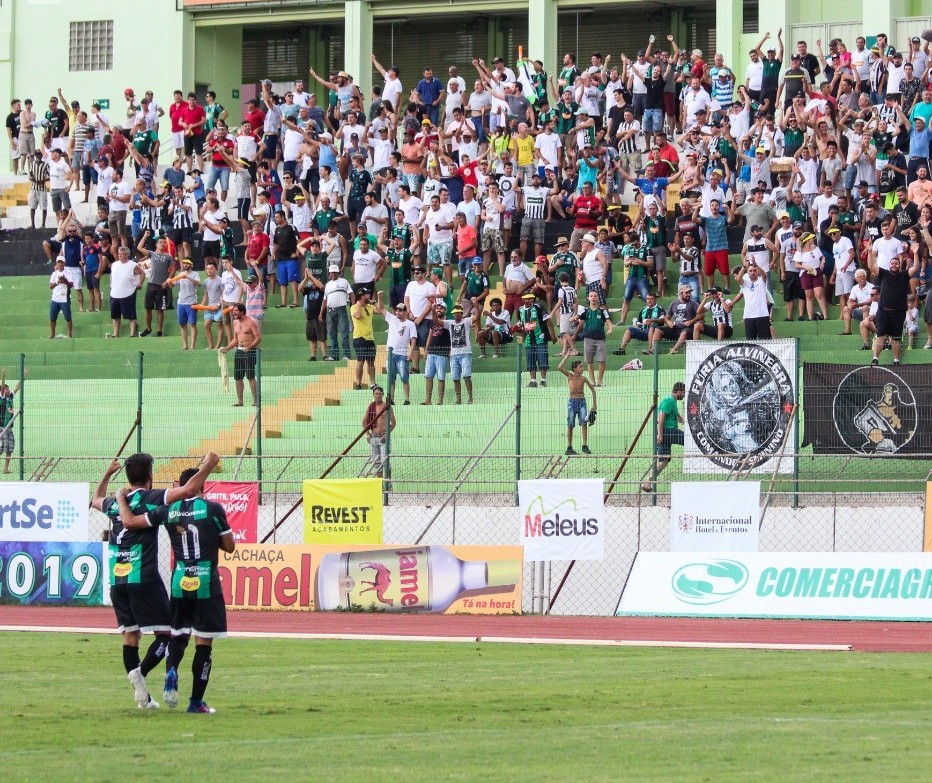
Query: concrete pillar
pixel 357 45
pixel 495 41
pixel 317 59
pixel 729 19
pixel 542 33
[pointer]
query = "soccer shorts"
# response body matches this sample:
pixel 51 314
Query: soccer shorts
pixel 140 607
pixel 204 617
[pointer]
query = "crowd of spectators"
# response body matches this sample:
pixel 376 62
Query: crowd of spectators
pixel 811 164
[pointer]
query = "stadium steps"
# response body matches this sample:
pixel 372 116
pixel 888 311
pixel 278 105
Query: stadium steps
pixel 325 391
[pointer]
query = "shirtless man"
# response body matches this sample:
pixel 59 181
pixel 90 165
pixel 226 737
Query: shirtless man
pixel 374 420
pixel 576 405
pixel 246 339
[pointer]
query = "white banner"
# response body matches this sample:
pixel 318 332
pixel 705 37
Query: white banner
pixel 714 516
pixel 562 519
pixel 40 511
pixel 822 585
pixel 739 406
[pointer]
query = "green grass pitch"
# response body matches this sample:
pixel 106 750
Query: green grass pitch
pixel 364 711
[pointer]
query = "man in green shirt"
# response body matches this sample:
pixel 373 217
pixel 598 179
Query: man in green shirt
pixel 668 431
pixel 649 317
pixel 7 412
pixel 564 261
pixel 532 320
pixel 214 111
pixel 638 263
pixel 474 290
pixel 398 258
pixel 594 323
pixel 145 141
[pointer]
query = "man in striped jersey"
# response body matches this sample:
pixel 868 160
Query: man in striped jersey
pixel 532 225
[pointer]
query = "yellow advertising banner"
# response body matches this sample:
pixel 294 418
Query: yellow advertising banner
pixel 437 579
pixel 343 511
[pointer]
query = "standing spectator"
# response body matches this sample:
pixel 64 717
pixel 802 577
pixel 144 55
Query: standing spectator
pixel 61 298
pixel 192 119
pixel 59 176
pixel 756 305
pixel 419 294
pixel 576 412
pixel 337 295
pixel 378 420
pixel 493 222
pixel 118 198
pixel 315 330
pixel 893 284
pixel 401 340
pixel 38 187
pixel 363 337
pixel 594 324
pixel 532 322
pixel 94 266
pixel 126 278
pixel 285 252
pixel 437 348
pixel 246 340
pixel 161 267
pixel 12 134
pixel 211 305
pixel 188 280
pixel 716 244
pixel 7 412
pixel 668 431
pixel 461 352
pixel 233 289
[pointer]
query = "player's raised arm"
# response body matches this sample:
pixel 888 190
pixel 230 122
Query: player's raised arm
pixel 101 494
pixel 194 484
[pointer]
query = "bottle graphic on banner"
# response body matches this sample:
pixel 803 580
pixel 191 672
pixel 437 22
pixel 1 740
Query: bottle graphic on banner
pixel 406 579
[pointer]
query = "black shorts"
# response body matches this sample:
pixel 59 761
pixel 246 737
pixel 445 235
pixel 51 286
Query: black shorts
pixel 354 208
pixel 271 145
pixel 155 297
pixel 142 607
pixel 242 209
pixel 205 617
pixel 211 248
pixel 124 308
pixel 179 235
pixel 194 145
pixel 670 438
pixel 315 330
pixel 244 365
pixel 792 288
pixel 757 328
pixel 711 330
pixel 672 332
pixel 364 349
pixel 889 323
pixel 91 281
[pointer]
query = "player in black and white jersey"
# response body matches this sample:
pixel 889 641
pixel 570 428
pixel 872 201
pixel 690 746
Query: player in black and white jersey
pixel 534 199
pixel 758 249
pixel 687 253
pixel 566 307
pixel 183 211
pixel 714 302
pixel 789 275
pixel 136 589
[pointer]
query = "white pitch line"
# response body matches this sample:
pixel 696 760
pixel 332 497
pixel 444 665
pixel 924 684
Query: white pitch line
pixel 357 637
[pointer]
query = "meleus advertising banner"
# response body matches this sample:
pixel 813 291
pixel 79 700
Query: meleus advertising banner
pixel 40 511
pixel 438 579
pixel 714 516
pixel 562 519
pixel 51 572
pixel 739 406
pixel 240 501
pixel 343 511
pixel 818 585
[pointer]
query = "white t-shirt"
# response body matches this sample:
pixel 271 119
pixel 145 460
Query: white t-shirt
pixel 411 209
pixel 104 180
pixel 860 296
pixel 58 173
pixel 755 297
pixel 290 144
pixel 522 273
pixel 381 154
pixel 548 144
pixel 122 279
pixel 231 291
pixel 472 210
pixel 821 204
pixel 392 91
pixel 433 219
pixel 374 211
pixel 459 336
pixel 844 257
pixel 416 294
pixel 300 98
pixel 213 217
pixel 121 189
pixel 399 334
pixel 60 291
pixel 886 249
pixel 365 266
pixel 754 75
pixel 640 86
pixel 494 220
pixel 336 293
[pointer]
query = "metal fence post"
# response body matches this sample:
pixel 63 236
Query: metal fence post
pixel 259 420
pixel 796 435
pixel 654 420
pixel 140 374
pixel 389 395
pixel 518 353
pixel 22 426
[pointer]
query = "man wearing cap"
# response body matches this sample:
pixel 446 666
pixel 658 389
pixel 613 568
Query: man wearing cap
pixel 678 325
pixel 919 143
pixel 532 323
pixel 368 267
pixel 845 264
pixel 337 295
pixel 795 81
pixel 474 290
pixel 363 337
pixel 401 341
pixel 419 295
pixel 721 327
pixel 188 280
pixel 312 289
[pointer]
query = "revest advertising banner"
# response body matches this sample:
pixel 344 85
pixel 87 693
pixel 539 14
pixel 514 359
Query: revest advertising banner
pixel 437 579
pixel 51 572
pixel 240 500
pixel 817 585
pixel 562 519
pixel 739 406
pixel 40 511
pixel 343 511
pixel 714 516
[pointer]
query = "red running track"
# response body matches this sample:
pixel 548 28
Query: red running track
pixel 861 636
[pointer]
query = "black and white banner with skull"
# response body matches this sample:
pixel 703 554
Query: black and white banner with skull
pixel 739 407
